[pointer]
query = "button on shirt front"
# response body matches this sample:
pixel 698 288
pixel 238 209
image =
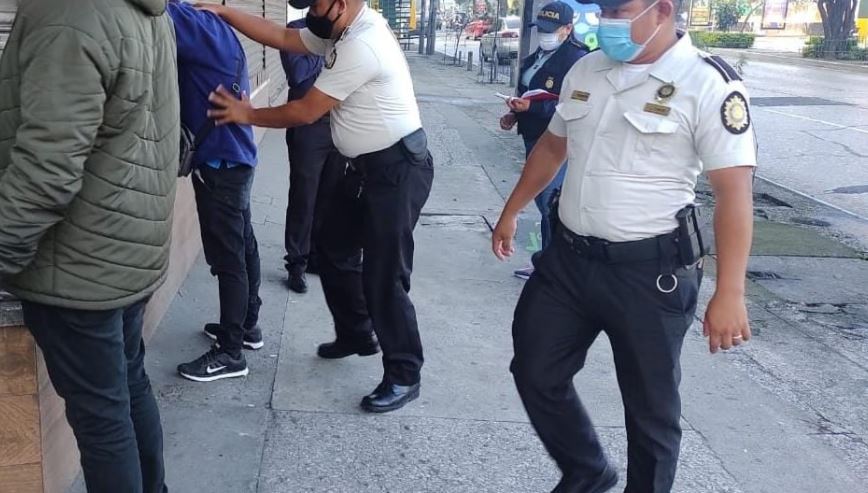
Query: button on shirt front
pixel 634 157
pixel 366 71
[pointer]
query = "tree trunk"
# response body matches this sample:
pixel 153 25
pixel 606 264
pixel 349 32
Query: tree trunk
pixel 750 14
pixel 838 25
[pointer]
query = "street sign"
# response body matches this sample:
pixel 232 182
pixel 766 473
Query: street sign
pixel 700 13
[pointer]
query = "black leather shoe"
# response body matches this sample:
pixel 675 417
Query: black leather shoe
pixel 297 282
pixel 578 484
pixel 340 349
pixel 388 397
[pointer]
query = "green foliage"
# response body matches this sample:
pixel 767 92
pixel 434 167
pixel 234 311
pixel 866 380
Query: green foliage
pixel 816 47
pixel 727 13
pixel 703 39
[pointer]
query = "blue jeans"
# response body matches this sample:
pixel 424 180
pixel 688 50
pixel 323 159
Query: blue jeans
pixel 544 199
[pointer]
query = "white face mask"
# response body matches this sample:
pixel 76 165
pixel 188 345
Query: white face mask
pixel 549 41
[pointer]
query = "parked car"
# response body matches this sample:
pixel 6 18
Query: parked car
pixel 506 38
pixel 476 29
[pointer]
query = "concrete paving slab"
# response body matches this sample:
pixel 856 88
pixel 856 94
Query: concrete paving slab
pixel 339 453
pixel 786 390
pixel 462 190
pixel 789 240
pixel 208 448
pixel 181 339
pixel 813 280
pixel 753 431
pixel 468 349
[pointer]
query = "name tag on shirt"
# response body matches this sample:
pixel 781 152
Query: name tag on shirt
pixel 657 109
pixel 580 96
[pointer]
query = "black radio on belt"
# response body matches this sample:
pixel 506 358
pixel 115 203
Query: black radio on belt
pixel 688 237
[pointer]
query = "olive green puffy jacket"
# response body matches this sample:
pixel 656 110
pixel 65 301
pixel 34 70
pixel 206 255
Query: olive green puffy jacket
pixel 89 131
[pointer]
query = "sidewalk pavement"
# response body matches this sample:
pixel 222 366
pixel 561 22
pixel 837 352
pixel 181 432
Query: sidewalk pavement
pixel 785 414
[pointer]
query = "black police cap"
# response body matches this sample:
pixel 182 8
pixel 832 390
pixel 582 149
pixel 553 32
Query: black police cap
pixel 301 4
pixel 605 4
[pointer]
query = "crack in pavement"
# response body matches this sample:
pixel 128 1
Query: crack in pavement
pixel 846 148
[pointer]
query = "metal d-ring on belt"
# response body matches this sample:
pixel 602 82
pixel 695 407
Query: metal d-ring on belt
pixel 661 248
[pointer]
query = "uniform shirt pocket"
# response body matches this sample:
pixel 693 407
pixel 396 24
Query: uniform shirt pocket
pixel 572 111
pixel 646 143
pixel 571 117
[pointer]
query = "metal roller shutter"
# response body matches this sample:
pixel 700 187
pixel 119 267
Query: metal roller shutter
pixel 275 11
pixel 255 51
pixel 7 17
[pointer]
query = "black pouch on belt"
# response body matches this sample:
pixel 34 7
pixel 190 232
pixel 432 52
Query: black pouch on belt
pixel 415 146
pixel 691 244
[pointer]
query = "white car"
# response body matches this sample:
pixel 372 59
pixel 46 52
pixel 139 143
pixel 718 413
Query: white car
pixel 506 37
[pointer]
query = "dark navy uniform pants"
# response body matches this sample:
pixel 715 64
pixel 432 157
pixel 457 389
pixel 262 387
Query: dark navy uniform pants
pixel 315 167
pixel 565 305
pixel 375 211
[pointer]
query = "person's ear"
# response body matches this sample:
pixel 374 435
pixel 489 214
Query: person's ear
pixel 666 10
pixel 343 6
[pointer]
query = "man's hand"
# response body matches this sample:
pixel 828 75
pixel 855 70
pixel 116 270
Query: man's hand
pixel 726 322
pixel 518 105
pixel 501 239
pixel 508 121
pixel 211 7
pixel 228 109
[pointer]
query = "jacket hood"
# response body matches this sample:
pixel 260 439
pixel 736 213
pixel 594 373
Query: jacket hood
pixel 150 7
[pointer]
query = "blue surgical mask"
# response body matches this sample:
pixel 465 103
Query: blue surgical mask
pixel 616 40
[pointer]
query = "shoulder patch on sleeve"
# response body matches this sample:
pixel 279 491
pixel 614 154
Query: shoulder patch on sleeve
pixel 729 74
pixel 735 114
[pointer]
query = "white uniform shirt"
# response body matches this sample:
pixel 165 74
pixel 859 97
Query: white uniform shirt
pixel 366 70
pixel 634 157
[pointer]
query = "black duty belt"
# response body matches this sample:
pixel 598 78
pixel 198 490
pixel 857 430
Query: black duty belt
pixel 661 247
pixel 395 152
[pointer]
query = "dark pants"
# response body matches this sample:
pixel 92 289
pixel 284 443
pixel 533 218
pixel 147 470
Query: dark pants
pixel 543 201
pixel 376 211
pixel 96 361
pixel 315 168
pixel 564 306
pixel 223 202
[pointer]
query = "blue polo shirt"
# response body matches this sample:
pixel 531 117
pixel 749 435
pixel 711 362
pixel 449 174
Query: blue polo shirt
pixel 209 54
pixel 301 70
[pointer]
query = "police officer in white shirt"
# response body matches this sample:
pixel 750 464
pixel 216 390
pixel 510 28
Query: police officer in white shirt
pixel 375 122
pixel 639 121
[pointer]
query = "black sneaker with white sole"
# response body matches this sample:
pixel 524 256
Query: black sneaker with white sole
pixel 252 337
pixel 214 365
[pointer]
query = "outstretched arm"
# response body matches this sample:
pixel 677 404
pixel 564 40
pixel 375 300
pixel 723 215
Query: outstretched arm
pixel 259 29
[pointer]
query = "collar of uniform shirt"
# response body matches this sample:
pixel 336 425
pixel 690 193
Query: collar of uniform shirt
pixel 346 31
pixel 670 65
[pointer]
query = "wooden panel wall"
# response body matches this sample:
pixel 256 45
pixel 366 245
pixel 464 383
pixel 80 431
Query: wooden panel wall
pixel 20 442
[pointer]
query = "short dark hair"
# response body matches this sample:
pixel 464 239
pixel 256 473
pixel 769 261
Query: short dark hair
pixel 676 3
